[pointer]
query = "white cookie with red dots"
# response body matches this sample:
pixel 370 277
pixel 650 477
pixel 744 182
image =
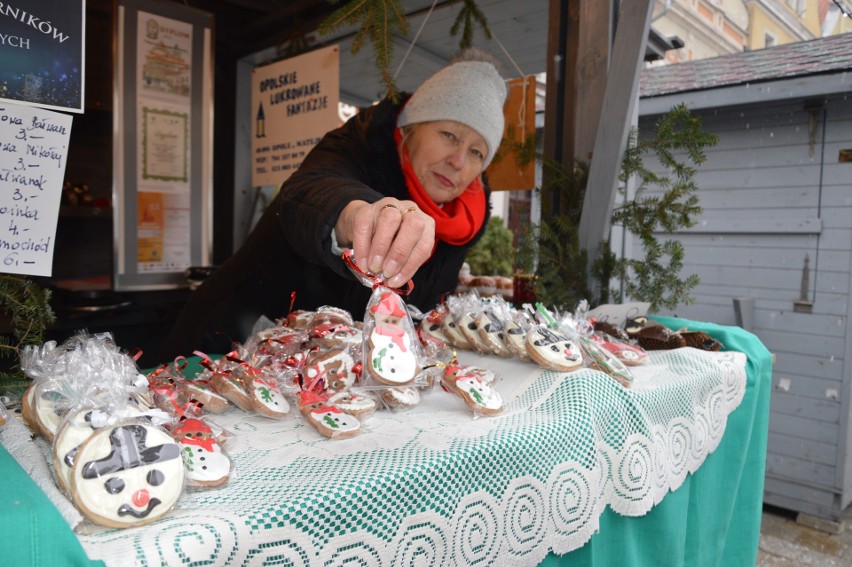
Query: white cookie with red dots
pixel 127 475
pixel 552 350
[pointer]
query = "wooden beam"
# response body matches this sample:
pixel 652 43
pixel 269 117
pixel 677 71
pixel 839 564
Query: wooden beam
pixel 619 102
pixel 594 31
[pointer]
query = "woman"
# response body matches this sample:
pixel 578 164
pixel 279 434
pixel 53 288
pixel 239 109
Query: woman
pixel 399 184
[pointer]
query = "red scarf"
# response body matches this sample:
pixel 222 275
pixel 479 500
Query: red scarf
pixel 458 221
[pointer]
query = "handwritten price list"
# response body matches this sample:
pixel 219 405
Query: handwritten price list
pixel 33 153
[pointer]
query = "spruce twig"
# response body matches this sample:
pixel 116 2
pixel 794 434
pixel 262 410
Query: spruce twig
pixel 467 18
pixel 376 20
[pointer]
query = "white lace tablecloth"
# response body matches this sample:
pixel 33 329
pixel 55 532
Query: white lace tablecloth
pixel 432 486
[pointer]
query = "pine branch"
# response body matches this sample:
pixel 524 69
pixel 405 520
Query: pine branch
pixel 376 20
pixel 467 18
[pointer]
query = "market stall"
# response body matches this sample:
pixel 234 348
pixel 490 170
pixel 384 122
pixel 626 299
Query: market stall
pixel 577 469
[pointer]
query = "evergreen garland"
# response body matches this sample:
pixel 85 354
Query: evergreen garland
pixel 28 308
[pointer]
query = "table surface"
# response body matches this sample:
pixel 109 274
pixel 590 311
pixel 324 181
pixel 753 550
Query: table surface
pixel 571 454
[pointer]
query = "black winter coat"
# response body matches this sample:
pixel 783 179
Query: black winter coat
pixel 290 248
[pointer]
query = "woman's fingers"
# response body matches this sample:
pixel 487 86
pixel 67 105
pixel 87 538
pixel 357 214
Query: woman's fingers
pixel 388 218
pixel 391 238
pixel 418 231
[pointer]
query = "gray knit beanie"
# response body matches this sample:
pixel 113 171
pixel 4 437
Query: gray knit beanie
pixel 470 92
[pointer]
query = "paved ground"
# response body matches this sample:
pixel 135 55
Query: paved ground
pixel 784 542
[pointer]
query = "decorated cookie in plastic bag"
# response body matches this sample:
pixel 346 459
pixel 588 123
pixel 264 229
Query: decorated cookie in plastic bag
pixel 327 419
pixel 473 385
pixel 492 330
pixel 550 349
pixel 357 404
pixel 267 399
pixel 206 465
pixel 336 368
pixel 127 475
pixel 390 347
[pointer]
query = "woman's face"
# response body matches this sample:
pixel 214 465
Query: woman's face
pixel 446 157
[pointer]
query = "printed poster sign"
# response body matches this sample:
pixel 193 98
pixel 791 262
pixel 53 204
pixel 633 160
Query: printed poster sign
pixel 294 104
pixel 42 46
pixel 164 56
pixel 162 233
pixel 33 154
pixel 165 151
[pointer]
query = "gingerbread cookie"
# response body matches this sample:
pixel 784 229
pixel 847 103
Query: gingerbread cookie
pixel 231 387
pixel 516 337
pixel 552 350
pixel 466 383
pixel 336 368
pixel 454 334
pixel 492 331
pixel 267 400
pixel 202 392
pixel 400 398
pixel 470 329
pixel 300 319
pixel 49 407
pixel 390 357
pixel 127 475
pixel 330 421
pixel 206 464
pixel 353 404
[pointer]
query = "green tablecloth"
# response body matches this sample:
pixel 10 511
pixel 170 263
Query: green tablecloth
pixel 713 518
pixel 34 533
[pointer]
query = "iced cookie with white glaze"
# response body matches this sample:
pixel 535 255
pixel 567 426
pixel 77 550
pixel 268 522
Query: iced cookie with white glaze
pixel 467 383
pixel 127 475
pixel 552 350
pixel 206 465
pixel 396 399
pixel 268 400
pixel 390 358
pixel 516 340
pixel 492 331
pixel 352 403
pixel 328 420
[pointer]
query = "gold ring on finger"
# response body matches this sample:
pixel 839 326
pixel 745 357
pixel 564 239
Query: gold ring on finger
pixel 389 206
pixel 410 210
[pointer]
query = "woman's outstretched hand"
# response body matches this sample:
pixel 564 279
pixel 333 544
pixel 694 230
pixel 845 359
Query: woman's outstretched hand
pixel 391 238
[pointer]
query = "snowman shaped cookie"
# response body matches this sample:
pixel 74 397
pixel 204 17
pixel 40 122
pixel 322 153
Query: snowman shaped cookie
pixel 127 475
pixel 206 464
pixel 390 357
pixel 327 419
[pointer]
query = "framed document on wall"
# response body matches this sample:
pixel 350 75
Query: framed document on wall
pixel 163 146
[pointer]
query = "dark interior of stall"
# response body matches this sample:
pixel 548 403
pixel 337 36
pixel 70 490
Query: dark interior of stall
pixel 83 295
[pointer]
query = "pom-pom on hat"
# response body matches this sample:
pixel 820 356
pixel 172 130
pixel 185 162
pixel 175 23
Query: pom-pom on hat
pixel 470 92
